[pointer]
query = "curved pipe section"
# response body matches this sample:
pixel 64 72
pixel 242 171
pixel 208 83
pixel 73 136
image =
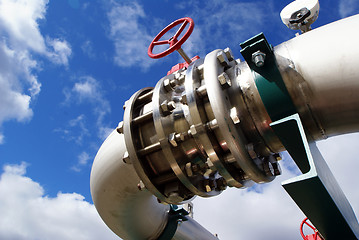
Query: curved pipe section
pixel 129 212
pixel 320 71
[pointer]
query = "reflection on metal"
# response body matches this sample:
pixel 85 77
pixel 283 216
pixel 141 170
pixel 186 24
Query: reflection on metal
pixel 316 192
pixel 208 126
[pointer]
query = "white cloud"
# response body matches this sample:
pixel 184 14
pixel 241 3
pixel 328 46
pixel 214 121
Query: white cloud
pixel 82 161
pixel 21 36
pixel 20 19
pixel 87 48
pixel 220 24
pixel 61 51
pixel 348 7
pixel 87 90
pixel 129 34
pixel 15 74
pixel 28 214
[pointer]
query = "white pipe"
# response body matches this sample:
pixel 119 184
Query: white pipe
pixel 129 212
pixel 320 70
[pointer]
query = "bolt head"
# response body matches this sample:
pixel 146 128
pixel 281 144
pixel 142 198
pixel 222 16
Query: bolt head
pixel 171 105
pixel 222 58
pixel 184 99
pixel 224 80
pixel 228 53
pixel 169 84
pixel 164 107
pixel 172 139
pixel 124 105
pixel 193 130
pixel 141 186
pixel 120 128
pixel 258 58
pixel 234 115
pixel 179 137
pixel 126 158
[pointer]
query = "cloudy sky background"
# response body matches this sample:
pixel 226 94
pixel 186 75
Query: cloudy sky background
pixel 66 69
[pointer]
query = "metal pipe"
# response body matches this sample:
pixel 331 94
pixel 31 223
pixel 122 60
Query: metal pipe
pixel 320 70
pixel 322 80
pixel 129 212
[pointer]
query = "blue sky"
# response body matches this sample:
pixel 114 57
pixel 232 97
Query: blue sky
pixel 66 69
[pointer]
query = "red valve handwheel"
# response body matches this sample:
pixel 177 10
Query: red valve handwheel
pixel 315 236
pixel 174 43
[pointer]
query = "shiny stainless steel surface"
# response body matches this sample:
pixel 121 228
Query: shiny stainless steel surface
pixel 320 70
pixel 205 127
pixel 127 211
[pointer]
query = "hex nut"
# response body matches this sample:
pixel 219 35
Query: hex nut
pixel 228 53
pixel 120 127
pixel 125 104
pixel 258 58
pixel 189 169
pixel 172 139
pixel 169 85
pixel 180 137
pixel 222 58
pixel 126 158
pixel 184 99
pixel 141 186
pixel 180 77
pixel 234 115
pixel 224 80
pixel 192 130
pixel 171 105
pixel 201 91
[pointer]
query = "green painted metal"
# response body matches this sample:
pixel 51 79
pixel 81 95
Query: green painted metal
pixel 174 216
pixel 316 192
pixel 268 80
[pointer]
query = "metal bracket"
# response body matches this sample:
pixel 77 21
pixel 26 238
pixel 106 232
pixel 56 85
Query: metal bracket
pixel 269 82
pixel 175 215
pixel 316 192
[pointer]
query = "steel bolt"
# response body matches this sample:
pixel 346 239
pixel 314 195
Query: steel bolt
pixel 222 58
pixel 169 85
pixel 189 169
pixel 180 77
pixel 124 105
pixel 171 105
pixel 201 91
pixel 228 53
pixel 126 158
pixel 258 58
pixel 192 130
pixel 167 107
pixel 184 99
pixel 120 127
pixel 234 115
pixel 224 80
pixel 141 186
pixel 172 139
